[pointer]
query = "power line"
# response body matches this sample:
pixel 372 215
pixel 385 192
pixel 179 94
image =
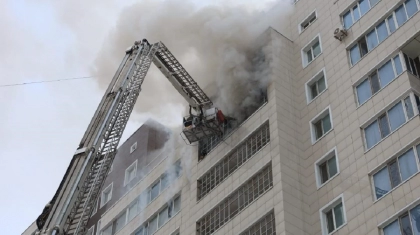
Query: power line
pixel 47 81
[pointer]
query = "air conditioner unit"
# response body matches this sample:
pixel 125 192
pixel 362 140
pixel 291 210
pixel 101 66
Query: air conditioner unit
pixel 339 34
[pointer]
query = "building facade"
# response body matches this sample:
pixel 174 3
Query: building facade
pixel 334 149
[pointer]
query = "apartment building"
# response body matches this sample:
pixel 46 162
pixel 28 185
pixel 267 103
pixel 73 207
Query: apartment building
pixel 333 147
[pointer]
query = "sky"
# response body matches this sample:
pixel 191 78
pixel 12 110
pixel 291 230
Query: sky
pixel 41 124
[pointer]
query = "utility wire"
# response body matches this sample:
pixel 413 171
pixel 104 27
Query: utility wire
pixel 47 81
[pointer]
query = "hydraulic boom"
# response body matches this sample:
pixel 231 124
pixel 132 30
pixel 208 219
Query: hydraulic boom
pixel 72 204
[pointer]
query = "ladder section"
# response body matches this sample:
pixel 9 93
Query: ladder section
pixel 178 72
pixel 126 98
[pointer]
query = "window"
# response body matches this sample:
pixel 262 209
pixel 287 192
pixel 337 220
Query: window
pixel 388 122
pixel 407 223
pixel 321 125
pixel 333 216
pixel 396 171
pixel 412 65
pixel 98 228
pixel 130 173
pixel 307 21
pixel 233 204
pixel 235 159
pixel 119 222
pixel 154 191
pixel 96 208
pixel 316 85
pixel 106 195
pixel 112 167
pixel 326 167
pixel 133 147
pixel 378 79
pixel 266 226
pixel 311 51
pixel 379 33
pixel 157 221
pixel 133 210
pixel 107 230
pixel 90 231
pixel 357 11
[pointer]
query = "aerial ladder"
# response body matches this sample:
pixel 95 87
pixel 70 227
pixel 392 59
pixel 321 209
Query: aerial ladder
pixel 71 206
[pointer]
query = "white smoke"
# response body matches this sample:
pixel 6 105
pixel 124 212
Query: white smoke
pixel 217 45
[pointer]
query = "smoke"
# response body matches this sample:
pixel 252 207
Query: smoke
pixel 219 46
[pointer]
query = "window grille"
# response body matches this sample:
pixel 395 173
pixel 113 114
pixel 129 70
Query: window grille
pixel 266 226
pixel 238 156
pixel 246 194
pixel 208 144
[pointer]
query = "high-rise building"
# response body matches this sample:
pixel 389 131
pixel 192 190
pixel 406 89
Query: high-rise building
pixel 334 149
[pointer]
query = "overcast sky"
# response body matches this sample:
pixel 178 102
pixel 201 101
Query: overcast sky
pixel 41 124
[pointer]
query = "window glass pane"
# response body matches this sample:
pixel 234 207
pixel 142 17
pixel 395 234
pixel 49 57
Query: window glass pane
pixel 406 225
pixel 408 107
pixel 107 231
pixel 411 7
pixel 363 46
pixel 314 91
pixel 417 102
pixel 133 210
pixel 163 217
pixel 326 123
pixel 382 183
pixel 392 229
pixel 317 49
pixel 372 40
pixel 154 192
pixel 140 232
pixel 364 6
pixel 372 134
pixel 318 129
pixel 408 165
pixel 394 173
pixel 382 31
pixel 309 55
pixel 330 221
pixel 356 13
pixel 386 73
pixel 120 222
pixel 153 225
pixel 164 182
pixel 391 23
pixel 321 84
pixel 400 15
pixel 384 126
pixel 415 219
pixel 373 2
pixel 363 91
pixel 398 66
pixel 332 166
pixel 347 20
pixel 354 54
pixel 407 63
pixel 396 116
pixel 413 67
pixel 177 204
pixel 376 86
pixel 338 213
pixel 324 172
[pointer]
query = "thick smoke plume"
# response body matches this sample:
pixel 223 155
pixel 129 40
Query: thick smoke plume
pixel 217 45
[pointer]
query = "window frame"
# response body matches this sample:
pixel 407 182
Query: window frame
pixel 397 216
pixel 308 20
pixel 350 9
pixel 133 167
pixel 375 70
pixel 133 147
pixel 410 93
pixel 91 229
pixel 309 46
pixel 330 206
pixel 314 80
pixel 395 158
pixel 318 117
pixel 327 156
pixel 377 23
pixel 109 187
